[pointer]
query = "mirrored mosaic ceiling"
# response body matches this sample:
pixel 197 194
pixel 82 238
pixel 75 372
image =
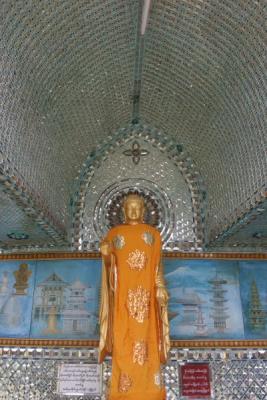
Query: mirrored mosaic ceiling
pixel 248 233
pixel 78 77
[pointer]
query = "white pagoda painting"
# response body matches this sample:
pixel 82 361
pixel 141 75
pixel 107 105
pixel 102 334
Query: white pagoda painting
pixel 204 299
pixel 49 293
pixel 66 299
pixel 219 300
pixel 75 317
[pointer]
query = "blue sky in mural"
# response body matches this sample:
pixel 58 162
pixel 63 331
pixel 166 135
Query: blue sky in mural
pixel 66 299
pixel 204 299
pixel 253 282
pixel 16 294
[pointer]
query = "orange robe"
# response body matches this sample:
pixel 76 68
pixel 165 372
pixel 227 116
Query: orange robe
pixel 134 326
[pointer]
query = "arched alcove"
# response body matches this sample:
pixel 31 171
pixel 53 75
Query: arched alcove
pixel 144 160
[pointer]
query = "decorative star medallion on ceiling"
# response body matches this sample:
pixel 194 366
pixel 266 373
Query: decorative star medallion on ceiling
pixel 136 152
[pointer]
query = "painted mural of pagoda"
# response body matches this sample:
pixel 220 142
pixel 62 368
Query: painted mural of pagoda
pixel 256 313
pixel 62 306
pixel 50 294
pixel 192 314
pixel 201 327
pixel 218 300
pixel 75 317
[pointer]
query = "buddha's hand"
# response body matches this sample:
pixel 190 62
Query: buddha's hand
pixel 162 296
pixel 106 248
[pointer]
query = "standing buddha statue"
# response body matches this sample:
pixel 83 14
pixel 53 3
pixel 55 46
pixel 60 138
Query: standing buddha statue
pixel 134 326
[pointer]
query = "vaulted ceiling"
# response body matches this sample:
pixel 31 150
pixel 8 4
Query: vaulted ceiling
pixel 80 79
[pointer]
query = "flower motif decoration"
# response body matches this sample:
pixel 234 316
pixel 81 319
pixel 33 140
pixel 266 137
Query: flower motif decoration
pixel 125 383
pixel 137 260
pixel 138 303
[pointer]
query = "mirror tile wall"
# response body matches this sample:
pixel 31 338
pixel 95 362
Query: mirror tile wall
pixel 31 374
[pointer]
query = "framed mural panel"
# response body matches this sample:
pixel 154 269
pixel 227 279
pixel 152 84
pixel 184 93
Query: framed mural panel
pixel 204 299
pixel 216 300
pixel 66 299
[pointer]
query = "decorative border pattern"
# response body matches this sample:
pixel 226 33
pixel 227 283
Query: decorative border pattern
pixel 48 342
pixel 182 344
pixel 90 255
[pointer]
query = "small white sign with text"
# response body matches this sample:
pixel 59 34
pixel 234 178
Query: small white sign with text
pixel 79 379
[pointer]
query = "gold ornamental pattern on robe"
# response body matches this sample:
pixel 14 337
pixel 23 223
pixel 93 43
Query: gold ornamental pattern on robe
pixel 137 260
pixel 138 303
pixel 125 383
pixel 140 352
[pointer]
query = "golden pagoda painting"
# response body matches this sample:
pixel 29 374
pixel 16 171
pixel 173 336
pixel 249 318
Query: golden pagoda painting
pixel 16 294
pixel 253 278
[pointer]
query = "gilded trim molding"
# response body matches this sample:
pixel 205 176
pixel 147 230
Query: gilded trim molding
pixel 47 342
pixel 180 255
pixel 183 344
